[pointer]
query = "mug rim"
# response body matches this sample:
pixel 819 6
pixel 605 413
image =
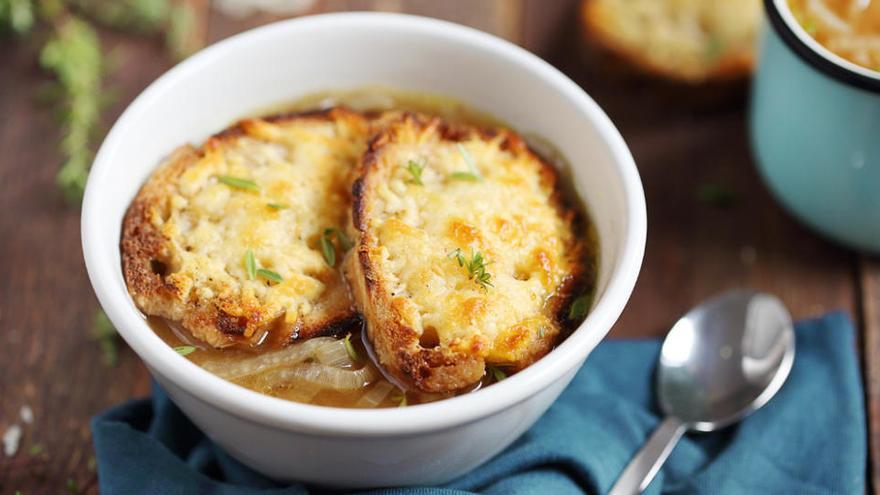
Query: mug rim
pixel 814 53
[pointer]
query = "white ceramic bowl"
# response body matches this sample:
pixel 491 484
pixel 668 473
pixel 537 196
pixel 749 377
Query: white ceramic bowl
pixel 424 444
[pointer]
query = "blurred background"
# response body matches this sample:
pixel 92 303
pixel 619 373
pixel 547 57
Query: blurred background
pixel 672 75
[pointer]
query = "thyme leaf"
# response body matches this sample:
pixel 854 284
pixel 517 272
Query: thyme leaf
pixel 415 169
pixel 269 275
pixel 717 195
pixel 496 373
pixel 327 249
pixel 579 307
pixel 238 183
pixel 345 243
pixel 250 264
pixel 184 350
pixel 350 350
pixel 473 173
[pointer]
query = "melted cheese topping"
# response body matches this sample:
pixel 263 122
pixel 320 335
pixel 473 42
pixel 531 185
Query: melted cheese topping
pixel 301 165
pixel 508 216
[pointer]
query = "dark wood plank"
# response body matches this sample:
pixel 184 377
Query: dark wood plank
pixel 681 138
pixel 46 303
pixel 870 297
pixel 500 17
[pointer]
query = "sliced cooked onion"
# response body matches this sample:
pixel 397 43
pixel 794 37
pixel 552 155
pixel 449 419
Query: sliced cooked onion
pixel 294 354
pixel 819 9
pixel 333 354
pixel 323 375
pixel 376 395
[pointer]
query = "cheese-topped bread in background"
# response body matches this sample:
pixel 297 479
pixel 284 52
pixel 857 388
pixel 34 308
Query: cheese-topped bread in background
pixel 688 40
pixel 465 254
pixel 231 240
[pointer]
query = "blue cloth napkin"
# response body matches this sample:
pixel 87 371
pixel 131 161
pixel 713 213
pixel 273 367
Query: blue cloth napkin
pixel 810 439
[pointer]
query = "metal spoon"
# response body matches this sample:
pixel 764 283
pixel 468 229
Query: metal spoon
pixel 724 359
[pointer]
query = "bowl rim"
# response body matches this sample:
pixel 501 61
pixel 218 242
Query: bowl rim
pixel 815 54
pixel 262 409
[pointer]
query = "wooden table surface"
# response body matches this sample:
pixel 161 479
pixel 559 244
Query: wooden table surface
pixel 681 139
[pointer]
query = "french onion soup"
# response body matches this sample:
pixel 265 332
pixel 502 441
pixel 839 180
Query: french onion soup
pixel 849 28
pixel 361 249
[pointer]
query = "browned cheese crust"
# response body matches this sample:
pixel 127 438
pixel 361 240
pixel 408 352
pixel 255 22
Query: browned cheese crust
pixel 480 193
pixel 187 234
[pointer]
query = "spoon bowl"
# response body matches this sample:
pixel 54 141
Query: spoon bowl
pixel 722 360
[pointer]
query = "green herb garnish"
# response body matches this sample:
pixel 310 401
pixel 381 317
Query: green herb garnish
pixel 104 334
pixel 473 173
pixel 579 308
pixel 718 195
pixel 327 249
pixel 72 486
pixel 416 170
pixel 496 373
pixel 277 206
pixel 269 275
pixel 464 176
pixel 349 348
pixel 238 182
pixel 345 243
pixel 250 263
pixel 35 450
pixel 714 48
pixel 402 401
pixel 476 267
pixel 185 350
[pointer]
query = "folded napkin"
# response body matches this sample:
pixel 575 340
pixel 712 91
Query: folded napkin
pixel 810 439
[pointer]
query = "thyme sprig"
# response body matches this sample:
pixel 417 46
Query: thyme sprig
pixel 72 54
pixel 476 267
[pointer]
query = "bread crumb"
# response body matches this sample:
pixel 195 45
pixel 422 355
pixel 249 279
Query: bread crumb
pixel 10 440
pixel 26 414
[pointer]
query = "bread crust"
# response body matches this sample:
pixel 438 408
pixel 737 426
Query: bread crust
pixel 731 64
pixel 226 318
pixel 396 344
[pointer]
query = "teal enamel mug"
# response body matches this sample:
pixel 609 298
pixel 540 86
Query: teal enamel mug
pixel 815 130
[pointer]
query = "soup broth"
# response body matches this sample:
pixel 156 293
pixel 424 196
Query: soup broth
pixel 849 28
pixel 376 389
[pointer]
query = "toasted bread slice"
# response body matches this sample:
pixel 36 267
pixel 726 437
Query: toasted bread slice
pixel 686 40
pixel 226 239
pixel 465 254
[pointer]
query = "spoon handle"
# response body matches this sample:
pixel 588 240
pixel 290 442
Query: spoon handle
pixel 642 468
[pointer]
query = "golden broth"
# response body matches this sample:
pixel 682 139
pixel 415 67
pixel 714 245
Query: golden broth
pixel 848 28
pixel 369 100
